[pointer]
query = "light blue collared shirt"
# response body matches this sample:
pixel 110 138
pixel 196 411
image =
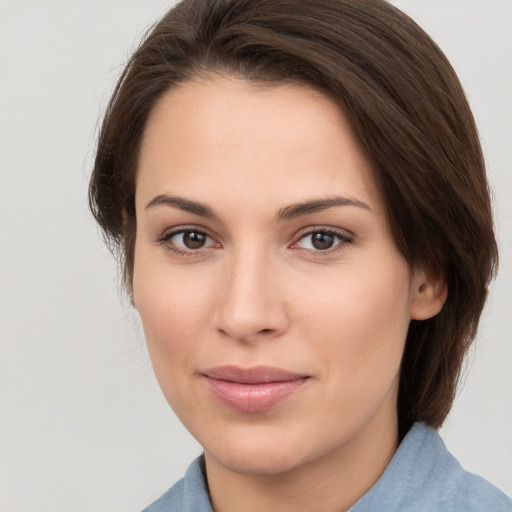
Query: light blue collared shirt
pixel 423 476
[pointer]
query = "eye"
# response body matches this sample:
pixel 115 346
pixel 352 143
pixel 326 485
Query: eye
pixel 322 240
pixel 189 240
pixel 186 241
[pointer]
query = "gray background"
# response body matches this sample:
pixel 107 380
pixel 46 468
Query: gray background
pixel 83 425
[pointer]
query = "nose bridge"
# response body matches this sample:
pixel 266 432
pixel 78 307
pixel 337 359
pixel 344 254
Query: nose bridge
pixel 250 299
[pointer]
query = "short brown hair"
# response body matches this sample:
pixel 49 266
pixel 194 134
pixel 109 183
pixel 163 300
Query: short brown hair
pixel 408 110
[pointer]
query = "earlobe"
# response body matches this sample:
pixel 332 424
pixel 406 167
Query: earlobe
pixel 428 295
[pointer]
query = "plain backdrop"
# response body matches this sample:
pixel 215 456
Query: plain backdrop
pixel 83 424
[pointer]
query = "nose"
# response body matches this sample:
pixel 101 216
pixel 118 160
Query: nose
pixel 251 305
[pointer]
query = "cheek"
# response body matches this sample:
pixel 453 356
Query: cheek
pixel 174 313
pixel 357 331
pixel 360 320
pixel 174 308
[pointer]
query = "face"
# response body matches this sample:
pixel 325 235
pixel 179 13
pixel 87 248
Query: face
pixel 274 302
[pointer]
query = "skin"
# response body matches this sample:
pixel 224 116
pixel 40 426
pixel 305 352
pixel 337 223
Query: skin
pixel 260 293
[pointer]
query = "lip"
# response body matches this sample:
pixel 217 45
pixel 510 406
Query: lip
pixel 255 389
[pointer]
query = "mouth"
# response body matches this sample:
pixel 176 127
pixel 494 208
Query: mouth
pixel 255 389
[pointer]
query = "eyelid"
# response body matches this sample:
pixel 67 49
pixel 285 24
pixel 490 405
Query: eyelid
pixel 169 233
pixel 346 237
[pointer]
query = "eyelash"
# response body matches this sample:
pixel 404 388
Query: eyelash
pixel 342 238
pixel 166 237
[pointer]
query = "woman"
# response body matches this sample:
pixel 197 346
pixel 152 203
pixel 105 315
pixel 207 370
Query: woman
pixel 300 200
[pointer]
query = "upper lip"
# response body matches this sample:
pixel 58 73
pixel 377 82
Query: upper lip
pixel 252 375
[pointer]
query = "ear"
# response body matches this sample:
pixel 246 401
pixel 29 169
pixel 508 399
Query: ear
pixel 428 294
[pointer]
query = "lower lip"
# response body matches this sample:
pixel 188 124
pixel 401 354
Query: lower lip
pixel 253 397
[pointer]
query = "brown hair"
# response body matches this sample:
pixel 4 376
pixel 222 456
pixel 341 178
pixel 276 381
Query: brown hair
pixel 406 106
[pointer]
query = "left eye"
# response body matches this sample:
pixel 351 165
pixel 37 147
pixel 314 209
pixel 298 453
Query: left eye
pixel 190 240
pixel 321 240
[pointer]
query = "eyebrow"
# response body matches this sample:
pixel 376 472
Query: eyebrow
pixel 187 205
pixel 288 213
pixel 317 205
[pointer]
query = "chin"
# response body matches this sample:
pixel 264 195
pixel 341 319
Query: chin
pixel 261 453
pixel 257 462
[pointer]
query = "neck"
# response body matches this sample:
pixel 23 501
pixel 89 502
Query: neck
pixel 332 483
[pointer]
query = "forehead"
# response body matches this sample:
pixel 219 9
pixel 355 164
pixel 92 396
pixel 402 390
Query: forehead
pixel 219 135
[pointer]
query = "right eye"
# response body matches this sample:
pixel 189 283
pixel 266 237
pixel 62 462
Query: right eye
pixel 187 241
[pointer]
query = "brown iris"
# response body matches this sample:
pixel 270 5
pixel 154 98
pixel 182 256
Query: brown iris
pixel 193 239
pixel 322 241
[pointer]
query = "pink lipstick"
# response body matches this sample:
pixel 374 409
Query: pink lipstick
pixel 255 389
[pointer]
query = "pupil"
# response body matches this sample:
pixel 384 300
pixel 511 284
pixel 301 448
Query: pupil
pixel 193 240
pixel 322 241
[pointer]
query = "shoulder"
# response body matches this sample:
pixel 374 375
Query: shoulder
pixel 424 476
pixel 190 494
pixel 450 486
pixel 472 493
pixel 171 500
